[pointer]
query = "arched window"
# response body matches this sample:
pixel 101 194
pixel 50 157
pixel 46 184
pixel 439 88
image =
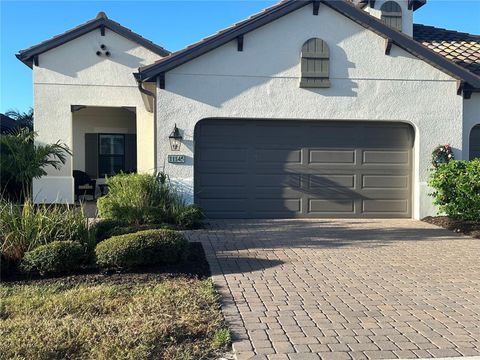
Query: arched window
pixel 392 14
pixel 475 142
pixel 315 65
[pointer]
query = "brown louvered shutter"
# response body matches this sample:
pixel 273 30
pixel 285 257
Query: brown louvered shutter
pixel 91 155
pixel 392 14
pixel 130 153
pixel 315 64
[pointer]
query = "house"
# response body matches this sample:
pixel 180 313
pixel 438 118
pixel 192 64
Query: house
pixel 7 124
pixel 320 108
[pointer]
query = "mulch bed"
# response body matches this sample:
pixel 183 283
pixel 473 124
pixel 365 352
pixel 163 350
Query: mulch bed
pixel 195 265
pixel 470 228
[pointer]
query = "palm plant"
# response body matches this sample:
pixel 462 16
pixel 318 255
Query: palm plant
pixel 22 160
pixel 24 119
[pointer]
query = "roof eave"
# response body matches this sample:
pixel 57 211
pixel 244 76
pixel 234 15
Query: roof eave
pixel 350 11
pixel 26 61
pixel 27 55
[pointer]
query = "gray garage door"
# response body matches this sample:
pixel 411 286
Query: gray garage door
pixel 286 169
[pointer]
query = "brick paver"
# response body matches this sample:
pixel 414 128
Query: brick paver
pixel 345 289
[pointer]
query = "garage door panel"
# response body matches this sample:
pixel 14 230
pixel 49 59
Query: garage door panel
pixel 221 180
pixel 385 182
pixel 387 136
pixel 332 156
pixel 385 157
pixel 278 155
pixel 385 206
pixel 277 180
pixel 331 205
pixel 303 169
pixel 223 192
pixel 225 205
pixel 227 155
pixel 331 180
pixel 285 205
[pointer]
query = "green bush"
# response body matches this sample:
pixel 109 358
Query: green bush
pixel 122 230
pixel 146 247
pixel 104 227
pixel 190 217
pixel 138 199
pixel 457 189
pixel 25 227
pixel 56 257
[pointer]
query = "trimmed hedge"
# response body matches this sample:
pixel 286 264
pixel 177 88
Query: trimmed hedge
pixel 103 228
pixel 54 258
pixel 148 247
pixel 457 189
pixel 122 230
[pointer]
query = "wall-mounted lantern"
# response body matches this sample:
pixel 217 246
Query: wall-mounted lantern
pixel 175 139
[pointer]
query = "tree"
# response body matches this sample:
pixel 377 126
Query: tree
pixel 24 119
pixel 22 160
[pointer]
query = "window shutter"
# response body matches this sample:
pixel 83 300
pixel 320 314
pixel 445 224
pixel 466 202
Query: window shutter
pixel 315 64
pixel 130 153
pixel 392 14
pixel 91 155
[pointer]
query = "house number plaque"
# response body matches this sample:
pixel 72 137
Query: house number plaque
pixel 176 159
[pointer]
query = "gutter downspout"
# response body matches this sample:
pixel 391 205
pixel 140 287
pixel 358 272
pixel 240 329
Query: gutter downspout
pixel 154 96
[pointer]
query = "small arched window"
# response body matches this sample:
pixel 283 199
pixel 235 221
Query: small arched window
pixel 315 65
pixel 392 14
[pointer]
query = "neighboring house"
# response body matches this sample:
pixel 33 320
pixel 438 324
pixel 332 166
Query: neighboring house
pixel 7 124
pixel 308 109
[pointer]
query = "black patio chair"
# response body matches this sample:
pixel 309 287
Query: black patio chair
pixel 84 185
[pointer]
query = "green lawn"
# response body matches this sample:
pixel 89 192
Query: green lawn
pixel 129 318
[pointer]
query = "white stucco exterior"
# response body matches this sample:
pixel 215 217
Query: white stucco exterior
pixel 260 82
pixel 263 82
pixel 72 74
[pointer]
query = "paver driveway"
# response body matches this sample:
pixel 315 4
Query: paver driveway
pixel 309 289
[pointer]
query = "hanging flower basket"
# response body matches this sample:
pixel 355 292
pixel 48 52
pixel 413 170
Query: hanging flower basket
pixel 442 155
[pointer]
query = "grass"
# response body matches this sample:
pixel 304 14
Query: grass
pixel 172 318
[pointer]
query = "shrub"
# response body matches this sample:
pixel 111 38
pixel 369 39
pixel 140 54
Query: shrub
pixel 122 230
pixel 190 217
pixel 54 258
pixel 140 199
pixel 457 189
pixel 103 228
pixel 146 247
pixel 25 227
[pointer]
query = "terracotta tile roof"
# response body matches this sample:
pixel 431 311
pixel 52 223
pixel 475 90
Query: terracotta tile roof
pixel 461 48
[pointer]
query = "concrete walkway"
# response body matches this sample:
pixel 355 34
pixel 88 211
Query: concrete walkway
pixel 345 289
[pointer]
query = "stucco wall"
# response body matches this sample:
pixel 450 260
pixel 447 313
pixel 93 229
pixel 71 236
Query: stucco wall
pixel 263 82
pixel 98 120
pixel 72 74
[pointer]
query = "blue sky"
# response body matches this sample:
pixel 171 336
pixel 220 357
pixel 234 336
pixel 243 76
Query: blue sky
pixel 171 24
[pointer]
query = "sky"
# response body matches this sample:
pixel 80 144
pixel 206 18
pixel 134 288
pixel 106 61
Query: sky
pixel 171 24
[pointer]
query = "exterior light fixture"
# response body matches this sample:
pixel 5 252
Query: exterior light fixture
pixel 175 139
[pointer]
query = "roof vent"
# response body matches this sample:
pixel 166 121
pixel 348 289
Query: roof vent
pixel 101 15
